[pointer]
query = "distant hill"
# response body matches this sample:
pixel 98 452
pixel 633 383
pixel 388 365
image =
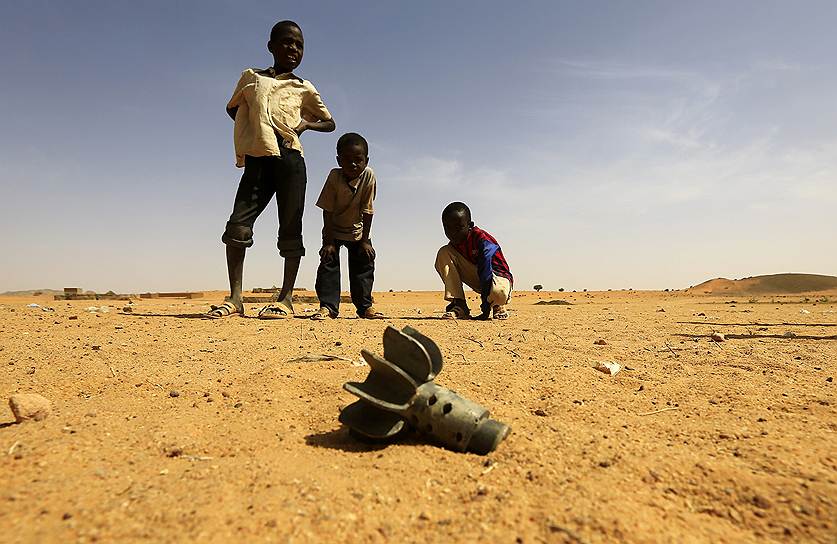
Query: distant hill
pixel 773 284
pixel 31 292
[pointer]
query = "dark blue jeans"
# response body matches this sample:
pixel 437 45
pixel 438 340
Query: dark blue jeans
pixel 361 276
pixel 265 178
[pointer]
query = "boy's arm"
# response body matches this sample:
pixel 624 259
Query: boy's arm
pixel 485 271
pixel 365 242
pixel 328 250
pixel 317 126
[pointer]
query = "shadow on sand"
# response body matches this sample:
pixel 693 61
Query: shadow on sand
pixel 749 336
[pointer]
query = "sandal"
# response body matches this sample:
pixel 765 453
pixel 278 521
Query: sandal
pixel 500 312
pixel 275 311
pixel 371 313
pixel 220 311
pixel 455 311
pixel 322 314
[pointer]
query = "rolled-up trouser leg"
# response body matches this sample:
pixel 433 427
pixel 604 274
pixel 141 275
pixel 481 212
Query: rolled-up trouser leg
pixel 255 190
pixel 290 201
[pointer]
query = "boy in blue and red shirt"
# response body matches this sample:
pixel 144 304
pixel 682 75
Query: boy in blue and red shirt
pixel 472 257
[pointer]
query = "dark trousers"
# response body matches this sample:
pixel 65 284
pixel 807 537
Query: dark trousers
pixel 361 276
pixel 265 177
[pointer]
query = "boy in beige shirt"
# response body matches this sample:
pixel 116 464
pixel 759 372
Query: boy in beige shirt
pixel 347 203
pixel 271 108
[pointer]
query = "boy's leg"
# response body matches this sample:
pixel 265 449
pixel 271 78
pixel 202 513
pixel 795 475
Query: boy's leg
pixel 251 198
pixel 361 277
pixel 454 269
pixel 290 181
pixel 328 283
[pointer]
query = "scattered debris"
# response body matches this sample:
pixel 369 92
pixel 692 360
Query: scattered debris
pixel 804 311
pixel 659 411
pixel 33 305
pixel 608 367
pixel 29 406
pixel 540 412
pixel 127 309
pixel 718 337
pixel 47 309
pixel 789 334
pixel 661 310
pixel 317 358
pixel 600 342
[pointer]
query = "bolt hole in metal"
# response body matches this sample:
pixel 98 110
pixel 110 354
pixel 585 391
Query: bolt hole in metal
pixel 432 400
pixel 447 408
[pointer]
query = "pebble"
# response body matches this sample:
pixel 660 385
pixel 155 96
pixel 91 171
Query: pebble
pixel 29 406
pixel 718 337
pixel 540 412
pixel 174 394
pixel 600 342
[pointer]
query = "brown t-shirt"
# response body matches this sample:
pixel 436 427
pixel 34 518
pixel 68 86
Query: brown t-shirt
pixel 348 200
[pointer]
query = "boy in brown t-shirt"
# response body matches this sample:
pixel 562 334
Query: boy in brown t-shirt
pixel 347 203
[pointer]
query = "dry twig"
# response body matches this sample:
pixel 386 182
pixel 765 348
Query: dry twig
pixel 658 411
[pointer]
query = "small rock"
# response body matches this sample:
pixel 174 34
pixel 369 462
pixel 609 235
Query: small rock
pixel 718 337
pixel 789 334
pixel 540 412
pixel 238 405
pixel 29 406
pixel 608 367
pixel 95 348
pixel 661 310
pixel 174 394
pixel 225 394
pixel 127 309
pixel 600 342
pixel 829 379
pixel 73 317
pixel 701 314
pixel 761 502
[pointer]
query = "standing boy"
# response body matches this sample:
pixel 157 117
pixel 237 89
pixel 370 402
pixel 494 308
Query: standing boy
pixel 346 201
pixel 474 257
pixel 271 108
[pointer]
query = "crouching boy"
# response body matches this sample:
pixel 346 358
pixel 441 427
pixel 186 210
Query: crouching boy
pixel 472 257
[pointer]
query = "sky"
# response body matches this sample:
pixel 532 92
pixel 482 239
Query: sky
pixel 643 144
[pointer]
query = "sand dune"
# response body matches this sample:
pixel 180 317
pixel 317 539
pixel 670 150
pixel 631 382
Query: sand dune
pixel 773 284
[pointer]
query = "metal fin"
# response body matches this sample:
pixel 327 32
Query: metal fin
pixel 369 421
pixel 432 350
pixel 408 354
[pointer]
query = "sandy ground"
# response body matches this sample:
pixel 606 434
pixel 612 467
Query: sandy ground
pixel 250 449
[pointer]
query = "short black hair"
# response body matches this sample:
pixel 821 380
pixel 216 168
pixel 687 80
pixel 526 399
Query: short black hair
pixel 456 208
pixel 352 138
pixel 280 25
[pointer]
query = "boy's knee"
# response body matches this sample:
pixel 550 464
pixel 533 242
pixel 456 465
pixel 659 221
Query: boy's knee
pixel 443 256
pixel 289 249
pixel 238 235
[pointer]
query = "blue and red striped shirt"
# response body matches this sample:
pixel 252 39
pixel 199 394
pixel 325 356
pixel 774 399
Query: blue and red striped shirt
pixel 483 250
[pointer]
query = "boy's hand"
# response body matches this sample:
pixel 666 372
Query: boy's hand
pixel 301 127
pixel 367 249
pixel 327 252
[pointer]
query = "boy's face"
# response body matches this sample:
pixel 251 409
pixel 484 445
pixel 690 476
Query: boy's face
pixel 287 47
pixel 352 160
pixel 456 227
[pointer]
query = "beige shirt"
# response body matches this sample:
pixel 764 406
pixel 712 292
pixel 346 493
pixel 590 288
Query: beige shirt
pixel 348 200
pixel 270 106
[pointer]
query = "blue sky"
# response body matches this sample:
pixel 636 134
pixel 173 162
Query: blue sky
pixel 605 144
